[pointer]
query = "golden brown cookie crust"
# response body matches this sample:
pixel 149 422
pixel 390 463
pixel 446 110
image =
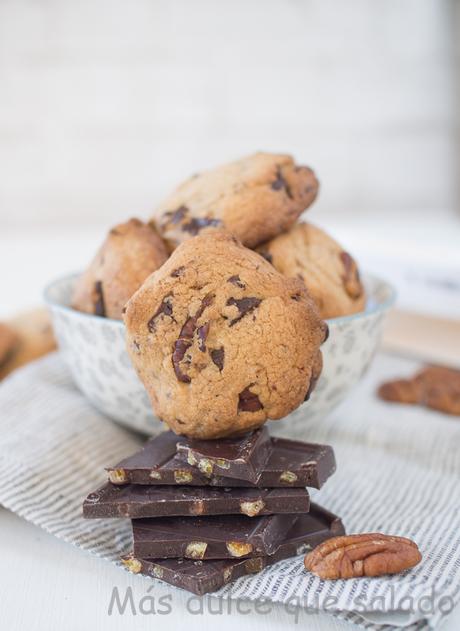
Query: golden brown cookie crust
pixel 8 342
pixel 254 198
pixel 130 252
pixel 33 334
pixel 329 273
pixel 222 341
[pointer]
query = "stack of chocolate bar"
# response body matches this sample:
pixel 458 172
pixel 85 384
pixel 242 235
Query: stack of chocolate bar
pixel 205 512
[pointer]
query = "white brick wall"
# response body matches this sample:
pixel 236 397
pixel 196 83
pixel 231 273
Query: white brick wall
pixel 105 104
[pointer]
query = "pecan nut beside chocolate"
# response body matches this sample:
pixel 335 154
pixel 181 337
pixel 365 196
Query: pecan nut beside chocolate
pixel 353 556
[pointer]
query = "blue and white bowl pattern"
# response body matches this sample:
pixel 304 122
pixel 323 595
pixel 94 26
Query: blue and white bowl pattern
pixel 94 350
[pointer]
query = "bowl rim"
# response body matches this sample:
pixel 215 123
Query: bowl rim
pixel 368 311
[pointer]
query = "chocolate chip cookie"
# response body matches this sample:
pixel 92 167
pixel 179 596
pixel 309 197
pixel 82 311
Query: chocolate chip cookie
pixel 329 273
pixel 33 338
pixel 131 252
pixel 435 387
pixel 254 198
pixel 221 340
pixel 8 343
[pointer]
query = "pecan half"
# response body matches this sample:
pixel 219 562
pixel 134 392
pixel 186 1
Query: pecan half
pixel 440 386
pixel 400 391
pixel 352 556
pixel 236 280
pixel 436 387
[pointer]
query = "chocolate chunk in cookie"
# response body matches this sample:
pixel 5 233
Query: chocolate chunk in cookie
pixel 435 387
pixel 130 253
pixel 99 304
pixel 254 198
pixel 329 273
pixel 244 305
pixel 165 309
pixel 236 349
pixel 218 357
pixel 248 401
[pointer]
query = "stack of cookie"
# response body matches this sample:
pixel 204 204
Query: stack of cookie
pixel 223 296
pixel 205 513
pixel 259 200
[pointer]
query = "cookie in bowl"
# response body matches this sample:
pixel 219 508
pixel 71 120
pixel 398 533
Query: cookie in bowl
pixel 130 253
pixel 222 341
pixel 8 343
pixel 330 273
pixel 255 198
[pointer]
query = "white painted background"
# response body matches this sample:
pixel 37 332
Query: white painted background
pixel 105 104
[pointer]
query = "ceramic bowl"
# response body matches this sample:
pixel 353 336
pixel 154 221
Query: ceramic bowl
pixel 94 350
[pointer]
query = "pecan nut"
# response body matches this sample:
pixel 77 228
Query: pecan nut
pixel 352 556
pixel 400 391
pixel 436 387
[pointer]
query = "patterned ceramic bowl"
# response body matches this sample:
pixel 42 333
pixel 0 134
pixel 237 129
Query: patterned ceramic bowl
pixel 94 350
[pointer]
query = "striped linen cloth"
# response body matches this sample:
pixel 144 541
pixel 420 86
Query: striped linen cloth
pixel 398 473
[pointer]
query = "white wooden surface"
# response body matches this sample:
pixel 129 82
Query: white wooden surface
pixel 47 584
pixel 106 104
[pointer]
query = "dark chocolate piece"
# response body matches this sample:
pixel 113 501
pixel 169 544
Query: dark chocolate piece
pixel 244 305
pixel 166 308
pixel 99 302
pixel 163 501
pixel 185 339
pixel 196 224
pixel 175 216
pixel 177 273
pixel 201 577
pixel 212 537
pixel 249 401
pixel 218 357
pixel 241 458
pixel 291 464
pixel 236 280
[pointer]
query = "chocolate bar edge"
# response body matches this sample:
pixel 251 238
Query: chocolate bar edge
pixel 185 474
pixel 152 569
pixel 248 470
